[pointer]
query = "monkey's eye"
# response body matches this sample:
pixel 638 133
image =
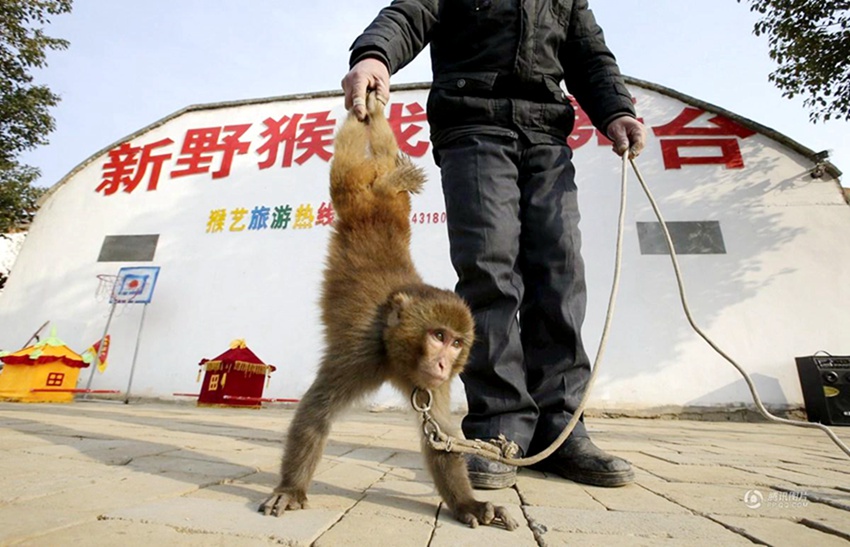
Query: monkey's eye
pixel 439 335
pixel 457 343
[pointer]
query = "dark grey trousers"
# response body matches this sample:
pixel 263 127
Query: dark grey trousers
pixel 515 245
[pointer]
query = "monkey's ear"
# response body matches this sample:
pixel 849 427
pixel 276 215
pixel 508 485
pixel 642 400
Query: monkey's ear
pixel 398 302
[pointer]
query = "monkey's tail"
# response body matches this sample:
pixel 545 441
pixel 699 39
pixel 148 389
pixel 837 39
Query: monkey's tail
pixel 406 177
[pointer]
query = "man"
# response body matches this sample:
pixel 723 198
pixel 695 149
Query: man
pixel 499 125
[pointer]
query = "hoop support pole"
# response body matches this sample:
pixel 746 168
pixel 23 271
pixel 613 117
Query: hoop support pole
pixel 99 349
pixel 135 354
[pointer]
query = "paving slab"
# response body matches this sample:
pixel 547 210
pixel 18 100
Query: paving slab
pixel 801 475
pixel 370 529
pixel 773 531
pixel 406 459
pixel 556 538
pixel 37 515
pixel 106 451
pixel 392 512
pixel 98 473
pixel 230 519
pixel 109 533
pixel 721 499
pixel 835 497
pixel 451 533
pixel 707 474
pixel 635 524
pixel 536 488
pixel 633 497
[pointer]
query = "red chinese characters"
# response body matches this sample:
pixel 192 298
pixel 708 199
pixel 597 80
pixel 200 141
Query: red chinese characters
pixel 128 165
pixel 285 141
pixel 312 134
pixel 583 130
pixel 721 135
pixel 325 216
pixel 200 145
pixel 405 127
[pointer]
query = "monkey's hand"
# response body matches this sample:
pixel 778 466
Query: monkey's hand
pixel 283 499
pixel 475 512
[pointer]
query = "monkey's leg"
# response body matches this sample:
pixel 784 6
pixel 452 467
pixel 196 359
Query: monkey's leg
pixel 305 441
pixel 381 137
pixel 452 479
pixel 351 168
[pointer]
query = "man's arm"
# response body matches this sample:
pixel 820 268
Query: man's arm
pixel 593 78
pixel 395 38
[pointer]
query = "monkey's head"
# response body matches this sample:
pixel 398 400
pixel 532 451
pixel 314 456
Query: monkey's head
pixel 428 333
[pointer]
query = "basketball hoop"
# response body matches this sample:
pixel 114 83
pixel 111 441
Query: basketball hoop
pixel 126 288
pixel 105 286
pixel 132 285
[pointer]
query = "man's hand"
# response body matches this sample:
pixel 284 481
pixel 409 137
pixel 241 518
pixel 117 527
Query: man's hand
pixel 627 134
pixel 366 75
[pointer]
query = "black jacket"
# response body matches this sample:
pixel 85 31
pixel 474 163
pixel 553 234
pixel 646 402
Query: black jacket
pixel 499 63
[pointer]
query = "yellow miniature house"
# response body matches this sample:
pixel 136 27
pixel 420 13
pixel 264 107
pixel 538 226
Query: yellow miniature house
pixel 44 373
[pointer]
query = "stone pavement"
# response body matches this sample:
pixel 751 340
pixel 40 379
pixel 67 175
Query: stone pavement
pixel 104 473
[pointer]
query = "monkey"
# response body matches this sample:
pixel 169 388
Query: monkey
pixel 382 323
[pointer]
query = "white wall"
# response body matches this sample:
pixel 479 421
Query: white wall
pixel 10 246
pixel 779 291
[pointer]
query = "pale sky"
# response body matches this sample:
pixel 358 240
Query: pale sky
pixel 131 63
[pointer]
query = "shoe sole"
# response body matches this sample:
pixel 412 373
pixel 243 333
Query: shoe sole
pixel 489 481
pixel 607 480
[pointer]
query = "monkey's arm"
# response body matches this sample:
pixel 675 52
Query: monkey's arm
pixel 452 479
pixel 304 443
pixel 331 392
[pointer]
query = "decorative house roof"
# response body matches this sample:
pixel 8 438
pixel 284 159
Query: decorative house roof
pixel 48 351
pixel 241 356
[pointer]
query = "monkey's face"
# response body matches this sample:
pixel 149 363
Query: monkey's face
pixel 439 362
pixel 427 335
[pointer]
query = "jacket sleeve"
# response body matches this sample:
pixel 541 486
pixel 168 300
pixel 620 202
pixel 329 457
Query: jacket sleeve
pixel 591 71
pixel 397 35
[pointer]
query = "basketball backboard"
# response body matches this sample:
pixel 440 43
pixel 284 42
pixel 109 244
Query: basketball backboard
pixel 135 285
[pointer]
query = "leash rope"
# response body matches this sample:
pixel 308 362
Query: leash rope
pixel 499 449
pixel 753 392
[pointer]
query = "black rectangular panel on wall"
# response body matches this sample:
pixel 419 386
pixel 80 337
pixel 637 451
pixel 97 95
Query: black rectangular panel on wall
pixel 139 248
pixel 689 238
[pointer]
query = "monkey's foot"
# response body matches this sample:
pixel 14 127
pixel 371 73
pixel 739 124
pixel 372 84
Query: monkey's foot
pixel 284 499
pixel 483 512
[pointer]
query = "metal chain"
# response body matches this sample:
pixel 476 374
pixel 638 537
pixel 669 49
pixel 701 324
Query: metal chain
pixel 438 440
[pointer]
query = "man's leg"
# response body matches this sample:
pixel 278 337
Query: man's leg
pixel 552 314
pixel 554 302
pixel 479 174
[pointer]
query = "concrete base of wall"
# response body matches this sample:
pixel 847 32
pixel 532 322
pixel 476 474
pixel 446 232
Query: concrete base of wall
pixel 736 413
pixel 730 413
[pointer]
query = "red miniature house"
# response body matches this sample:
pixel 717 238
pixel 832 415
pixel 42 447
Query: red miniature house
pixel 234 378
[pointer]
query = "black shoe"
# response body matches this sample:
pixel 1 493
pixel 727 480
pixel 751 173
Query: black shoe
pixel 486 474
pixel 579 460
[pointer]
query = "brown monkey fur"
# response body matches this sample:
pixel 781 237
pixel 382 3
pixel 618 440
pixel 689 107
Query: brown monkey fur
pixel 382 323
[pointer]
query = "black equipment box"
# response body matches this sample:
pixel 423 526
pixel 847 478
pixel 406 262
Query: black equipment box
pixel 825 380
